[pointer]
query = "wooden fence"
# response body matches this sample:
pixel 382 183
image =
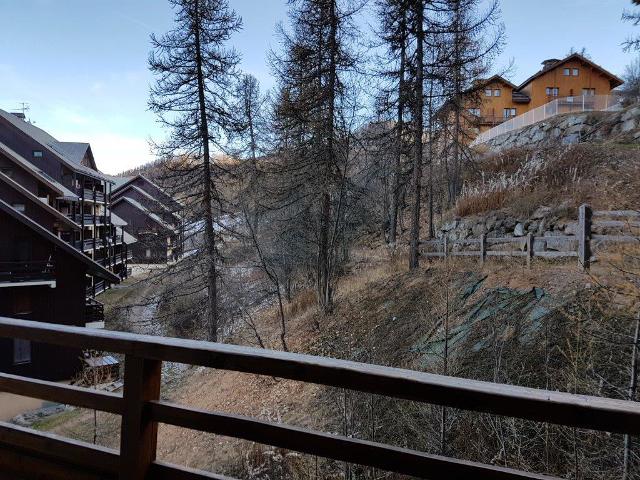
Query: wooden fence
pixel 583 241
pixel 28 454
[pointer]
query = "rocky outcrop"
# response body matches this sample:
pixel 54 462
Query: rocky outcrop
pixel 570 128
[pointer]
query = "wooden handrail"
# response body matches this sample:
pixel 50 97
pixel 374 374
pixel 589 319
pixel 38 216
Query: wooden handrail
pixel 142 409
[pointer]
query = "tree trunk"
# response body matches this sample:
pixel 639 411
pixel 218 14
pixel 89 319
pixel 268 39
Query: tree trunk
pixel 417 140
pixel 212 275
pixel 395 199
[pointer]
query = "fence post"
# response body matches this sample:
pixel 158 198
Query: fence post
pixel 445 246
pixel 483 248
pixel 529 249
pixel 138 435
pixel 584 236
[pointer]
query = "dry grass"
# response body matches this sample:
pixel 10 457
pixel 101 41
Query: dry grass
pixel 480 202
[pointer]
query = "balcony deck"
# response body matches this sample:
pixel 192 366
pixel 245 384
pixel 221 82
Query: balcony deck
pixel 30 454
pixel 31 273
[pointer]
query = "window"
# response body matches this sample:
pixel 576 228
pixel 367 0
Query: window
pixel 488 92
pixel 496 93
pixel 509 112
pixel 575 72
pixel 37 154
pixel 474 111
pixel 566 72
pixel 552 91
pixel 21 351
pixel 588 91
pixel 20 207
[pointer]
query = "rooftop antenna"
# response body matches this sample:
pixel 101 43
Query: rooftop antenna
pixel 25 107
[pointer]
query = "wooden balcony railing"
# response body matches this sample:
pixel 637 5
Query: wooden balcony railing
pixel 31 453
pixel 27 271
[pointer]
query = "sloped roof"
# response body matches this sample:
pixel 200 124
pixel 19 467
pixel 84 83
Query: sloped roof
pixel 76 151
pixel 46 140
pixel 119 181
pixel 146 211
pixel 483 82
pixel 64 192
pixel 145 194
pixel 128 180
pixel 45 206
pixel 614 80
pixel 128 238
pixel 92 267
pixel 117 221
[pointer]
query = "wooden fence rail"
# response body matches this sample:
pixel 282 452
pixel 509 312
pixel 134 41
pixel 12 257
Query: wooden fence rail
pixel 142 410
pixel 583 239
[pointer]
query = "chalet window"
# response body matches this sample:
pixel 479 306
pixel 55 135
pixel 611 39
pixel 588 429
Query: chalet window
pixel 509 112
pixel 575 72
pixel 37 154
pixel 488 92
pixel 21 351
pixel 496 93
pixel 588 91
pixel 474 111
pixel 20 207
pixel 552 91
pixel 566 72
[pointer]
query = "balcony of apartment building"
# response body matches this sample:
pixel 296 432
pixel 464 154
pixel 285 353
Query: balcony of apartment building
pixel 93 313
pixel 27 273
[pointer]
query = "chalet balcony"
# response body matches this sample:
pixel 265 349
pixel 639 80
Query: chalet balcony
pixel 96 289
pixel 490 120
pixel 32 271
pixel 88 244
pixel 89 195
pixel 94 313
pixel 26 453
pixel 88 219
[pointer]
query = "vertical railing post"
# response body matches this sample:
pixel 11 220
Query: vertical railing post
pixel 483 248
pixel 584 236
pixel 139 434
pixel 529 249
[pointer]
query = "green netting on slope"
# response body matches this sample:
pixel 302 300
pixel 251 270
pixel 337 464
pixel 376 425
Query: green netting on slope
pixel 498 313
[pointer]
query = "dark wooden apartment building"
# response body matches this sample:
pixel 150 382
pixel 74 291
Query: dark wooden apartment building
pixel 60 244
pixel 152 216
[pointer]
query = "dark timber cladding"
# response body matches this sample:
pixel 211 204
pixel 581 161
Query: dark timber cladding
pixel 59 246
pixel 142 410
pixel 152 216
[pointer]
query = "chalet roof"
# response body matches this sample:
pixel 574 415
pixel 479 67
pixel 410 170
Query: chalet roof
pixel 146 211
pixel 119 181
pixel 45 206
pixel 92 267
pixel 128 238
pixel 52 144
pixel 117 221
pixel 128 180
pixel 64 192
pixel 483 82
pixel 145 194
pixel 551 64
pixel 76 151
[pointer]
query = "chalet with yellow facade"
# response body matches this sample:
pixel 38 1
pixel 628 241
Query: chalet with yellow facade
pixel 496 100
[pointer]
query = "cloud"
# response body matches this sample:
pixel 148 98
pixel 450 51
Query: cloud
pixel 115 153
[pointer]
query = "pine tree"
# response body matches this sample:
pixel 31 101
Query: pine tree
pixel 191 96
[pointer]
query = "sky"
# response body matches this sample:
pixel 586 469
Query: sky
pixel 81 65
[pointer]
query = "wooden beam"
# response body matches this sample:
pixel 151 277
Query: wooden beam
pixel 56 392
pixel 89 457
pixel 596 413
pixel 139 433
pixel 352 450
pixel 167 471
